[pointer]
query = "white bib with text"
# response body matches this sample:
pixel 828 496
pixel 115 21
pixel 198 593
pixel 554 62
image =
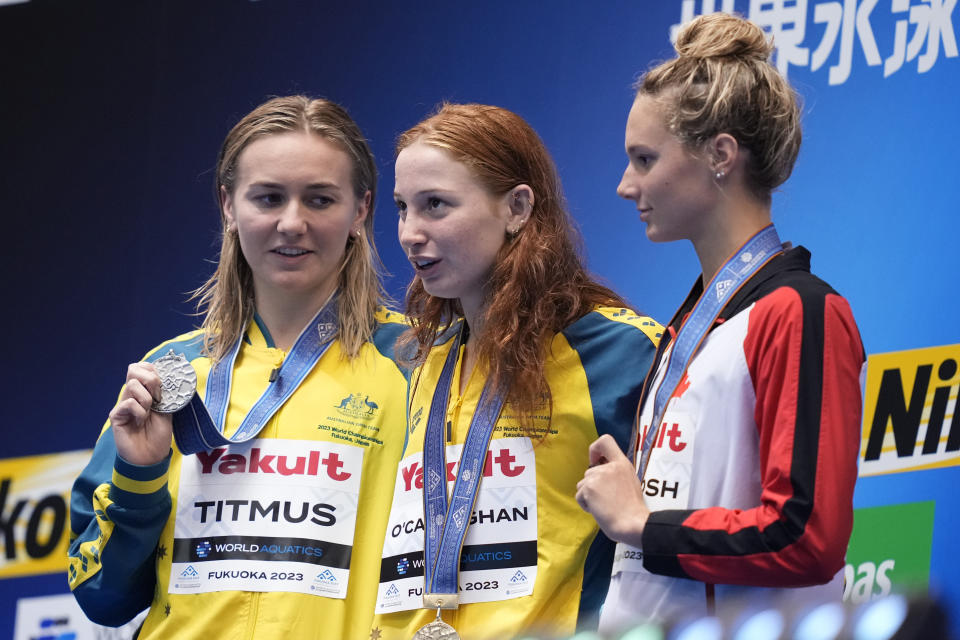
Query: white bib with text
pixel 499 555
pixel 267 515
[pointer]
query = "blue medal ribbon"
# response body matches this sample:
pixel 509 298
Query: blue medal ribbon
pixel 446 525
pixel 735 272
pixel 199 426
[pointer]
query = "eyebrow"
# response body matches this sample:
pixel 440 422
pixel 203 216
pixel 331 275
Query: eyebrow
pixel 313 185
pixel 424 192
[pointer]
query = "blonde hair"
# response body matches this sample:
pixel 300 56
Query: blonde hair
pixel 226 300
pixel 722 82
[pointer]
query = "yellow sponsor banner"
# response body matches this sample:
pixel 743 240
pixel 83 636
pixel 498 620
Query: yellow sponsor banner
pixel 910 416
pixel 34 512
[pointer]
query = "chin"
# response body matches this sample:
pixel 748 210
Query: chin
pixel 658 235
pixel 437 292
pixel 431 290
pixel 652 234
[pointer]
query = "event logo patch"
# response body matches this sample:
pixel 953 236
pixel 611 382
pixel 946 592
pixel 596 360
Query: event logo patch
pixel 189 578
pixel 910 417
pixel 326 331
pixel 722 287
pixel 518 584
pixel 326 576
pixel 325 581
pixel 391 597
pixel 460 514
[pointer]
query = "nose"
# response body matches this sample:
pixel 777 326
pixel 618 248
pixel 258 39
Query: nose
pixel 292 220
pixel 410 232
pixel 628 185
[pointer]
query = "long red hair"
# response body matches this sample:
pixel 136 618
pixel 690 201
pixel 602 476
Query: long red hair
pixel 539 285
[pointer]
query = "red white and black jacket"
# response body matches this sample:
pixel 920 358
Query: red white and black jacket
pixel 751 479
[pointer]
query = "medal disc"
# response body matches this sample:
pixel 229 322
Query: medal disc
pixel 437 630
pixel 178 382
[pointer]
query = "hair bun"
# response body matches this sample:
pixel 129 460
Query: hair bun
pixel 721 35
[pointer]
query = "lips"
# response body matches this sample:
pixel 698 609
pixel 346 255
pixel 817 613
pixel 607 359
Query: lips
pixel 424 264
pixel 290 252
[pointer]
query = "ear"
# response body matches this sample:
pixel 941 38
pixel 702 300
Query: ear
pixel 520 201
pixel 724 153
pixel 226 205
pixel 363 210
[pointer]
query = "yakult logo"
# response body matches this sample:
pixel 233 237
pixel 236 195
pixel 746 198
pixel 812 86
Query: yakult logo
pixel 673 435
pixel 503 463
pixel 218 461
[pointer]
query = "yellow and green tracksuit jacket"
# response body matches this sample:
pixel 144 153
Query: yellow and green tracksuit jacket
pixel 532 560
pixel 254 520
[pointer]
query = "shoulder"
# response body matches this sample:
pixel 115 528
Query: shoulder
pixel 614 327
pixel 791 304
pixel 384 317
pixel 800 297
pixel 387 328
pixel 189 345
pixel 386 320
pixel 785 283
pixel 615 347
pixel 611 342
pixel 795 287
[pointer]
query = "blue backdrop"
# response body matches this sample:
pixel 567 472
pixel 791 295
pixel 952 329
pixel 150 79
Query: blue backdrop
pixel 113 113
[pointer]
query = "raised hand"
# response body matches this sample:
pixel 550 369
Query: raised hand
pixel 142 436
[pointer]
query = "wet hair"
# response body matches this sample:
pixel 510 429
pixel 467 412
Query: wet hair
pixel 539 284
pixel 722 82
pixel 226 300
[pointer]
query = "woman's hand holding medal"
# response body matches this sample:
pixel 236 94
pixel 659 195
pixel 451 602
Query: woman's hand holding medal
pixel 142 435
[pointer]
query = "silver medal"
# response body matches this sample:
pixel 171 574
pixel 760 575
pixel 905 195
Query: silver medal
pixel 178 382
pixel 437 630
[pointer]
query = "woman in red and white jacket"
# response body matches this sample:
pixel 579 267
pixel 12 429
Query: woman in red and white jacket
pixel 745 483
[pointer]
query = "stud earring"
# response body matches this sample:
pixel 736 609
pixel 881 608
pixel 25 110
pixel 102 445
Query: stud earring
pixel 719 175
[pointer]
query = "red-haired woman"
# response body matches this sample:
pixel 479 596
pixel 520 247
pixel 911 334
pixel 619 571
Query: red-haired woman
pixel 522 360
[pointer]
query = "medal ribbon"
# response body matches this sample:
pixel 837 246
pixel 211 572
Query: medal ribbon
pixel 446 525
pixel 199 426
pixel 734 273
